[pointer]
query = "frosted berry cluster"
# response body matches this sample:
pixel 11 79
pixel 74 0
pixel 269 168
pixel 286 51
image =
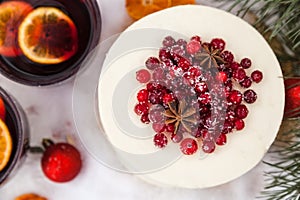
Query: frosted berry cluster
pixel 195 93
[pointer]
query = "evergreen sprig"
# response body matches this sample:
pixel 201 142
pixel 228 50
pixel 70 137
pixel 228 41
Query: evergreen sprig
pixel 283 179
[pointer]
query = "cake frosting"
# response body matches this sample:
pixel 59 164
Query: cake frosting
pixel 117 92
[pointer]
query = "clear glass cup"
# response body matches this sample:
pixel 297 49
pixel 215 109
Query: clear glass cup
pixel 87 19
pixel 18 126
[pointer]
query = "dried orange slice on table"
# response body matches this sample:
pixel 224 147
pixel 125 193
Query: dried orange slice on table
pixel 30 196
pixel 12 14
pixel 48 36
pixel 140 8
pixel 5 145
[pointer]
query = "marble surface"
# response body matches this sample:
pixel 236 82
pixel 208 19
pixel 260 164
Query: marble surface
pixel 49 110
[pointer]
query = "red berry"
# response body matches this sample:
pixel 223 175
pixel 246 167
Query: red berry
pixel 141 108
pixel 239 74
pixel 235 97
pixel 257 76
pixel 246 63
pixel 234 65
pixel 246 83
pixel 176 138
pixel 168 41
pixel 194 71
pixel 168 98
pixel 208 146
pixel 160 140
pixel 227 56
pixel 239 124
pixel 196 38
pixel 158 74
pixel 201 87
pixel 61 162
pixel 250 96
pixel 158 127
pixel 222 76
pixel 241 111
pixel 145 118
pixel 193 47
pixel 152 63
pixel 218 43
pixel 2 109
pixel 143 76
pixel 188 146
pixel 142 95
pixel 222 139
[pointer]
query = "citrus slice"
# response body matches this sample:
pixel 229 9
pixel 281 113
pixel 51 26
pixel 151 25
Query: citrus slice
pixel 5 145
pixel 140 8
pixel 48 36
pixel 30 196
pixel 11 15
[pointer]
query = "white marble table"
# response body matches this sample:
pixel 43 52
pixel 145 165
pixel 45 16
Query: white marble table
pixel 50 115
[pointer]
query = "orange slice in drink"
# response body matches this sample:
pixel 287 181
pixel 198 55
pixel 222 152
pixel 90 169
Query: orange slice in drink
pixel 12 14
pixel 48 36
pixel 140 8
pixel 5 145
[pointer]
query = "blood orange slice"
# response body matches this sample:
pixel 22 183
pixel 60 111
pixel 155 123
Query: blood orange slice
pixel 11 15
pixel 48 36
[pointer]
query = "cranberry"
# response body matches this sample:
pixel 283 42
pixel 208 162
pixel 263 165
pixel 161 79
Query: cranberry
pixel 168 41
pixel 152 63
pixel 235 97
pixel 150 86
pixel 222 76
pixel 221 140
pixel 154 98
pixel 156 116
pixel 250 96
pixel 239 124
pixel 170 128
pixel 168 98
pixel 184 64
pixel 143 76
pixel 234 65
pixel 227 127
pixel 241 111
pixel 196 38
pixel 193 47
pixel 218 43
pixel 181 42
pixel 164 54
pixel 246 83
pixel 208 146
pixel 142 95
pixel 227 56
pixel 257 76
pixel 176 138
pixel 246 63
pixel 188 146
pixel 204 98
pixel 158 127
pixel 141 108
pixel 158 74
pixel 239 74
pixel 195 71
pixel 201 87
pixel 176 51
pixel 160 140
pixel 145 118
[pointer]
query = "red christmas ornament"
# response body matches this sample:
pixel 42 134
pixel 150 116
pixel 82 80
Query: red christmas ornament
pixel 292 97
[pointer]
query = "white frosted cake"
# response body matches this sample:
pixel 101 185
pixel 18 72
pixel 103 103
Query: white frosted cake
pixel 133 139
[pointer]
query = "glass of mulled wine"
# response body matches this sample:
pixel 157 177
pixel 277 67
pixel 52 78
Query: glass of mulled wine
pixel 14 135
pixel 44 42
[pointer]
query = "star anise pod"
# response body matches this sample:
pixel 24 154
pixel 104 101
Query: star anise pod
pixel 180 114
pixel 209 57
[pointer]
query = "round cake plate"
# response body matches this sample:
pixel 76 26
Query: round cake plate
pixel 244 149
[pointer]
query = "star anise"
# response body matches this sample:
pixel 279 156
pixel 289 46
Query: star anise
pixel 209 57
pixel 180 114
